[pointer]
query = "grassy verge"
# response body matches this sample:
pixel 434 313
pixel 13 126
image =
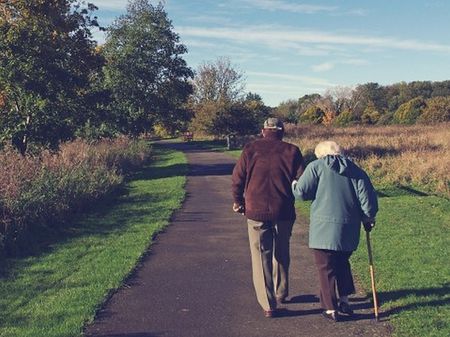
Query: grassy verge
pixel 56 292
pixel 211 145
pixel 411 256
pixel 411 252
pixel 234 153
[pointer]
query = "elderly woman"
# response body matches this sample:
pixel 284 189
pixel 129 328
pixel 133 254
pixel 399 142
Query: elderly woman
pixel 342 198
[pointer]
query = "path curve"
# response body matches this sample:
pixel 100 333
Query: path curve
pixel 196 279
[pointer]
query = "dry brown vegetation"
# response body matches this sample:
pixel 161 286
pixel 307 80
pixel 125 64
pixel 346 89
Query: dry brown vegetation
pixel 412 156
pixel 46 189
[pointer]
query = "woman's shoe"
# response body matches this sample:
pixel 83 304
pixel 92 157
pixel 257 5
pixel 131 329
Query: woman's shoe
pixel 345 308
pixel 334 316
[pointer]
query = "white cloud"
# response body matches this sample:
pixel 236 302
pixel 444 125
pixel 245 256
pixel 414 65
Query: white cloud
pixel 277 90
pixel 323 66
pixel 210 19
pixel 355 62
pixel 198 43
pixel 311 50
pixel 274 5
pixel 358 12
pixel 289 77
pixel 273 37
pixel 293 7
pixel 326 66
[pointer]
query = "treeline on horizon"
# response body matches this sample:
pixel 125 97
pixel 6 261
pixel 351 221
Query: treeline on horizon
pixel 57 84
pixel 426 102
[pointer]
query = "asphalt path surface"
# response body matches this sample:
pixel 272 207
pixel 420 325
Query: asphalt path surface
pixel 195 281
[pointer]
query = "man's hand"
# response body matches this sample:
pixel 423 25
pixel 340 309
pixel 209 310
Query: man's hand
pixel 238 208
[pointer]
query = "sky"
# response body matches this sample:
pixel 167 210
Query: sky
pixel 287 49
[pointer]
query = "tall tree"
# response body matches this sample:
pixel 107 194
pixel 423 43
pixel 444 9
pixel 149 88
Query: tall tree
pixel 217 81
pixel 341 97
pixel 255 103
pixel 307 101
pixel 441 88
pixel 288 111
pixel 218 100
pixel 145 70
pixel 368 94
pixel 46 60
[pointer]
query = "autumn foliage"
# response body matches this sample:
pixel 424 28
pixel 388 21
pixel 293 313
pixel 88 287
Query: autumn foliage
pixel 43 191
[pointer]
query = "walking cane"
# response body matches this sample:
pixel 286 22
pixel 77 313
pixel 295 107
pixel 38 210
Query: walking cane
pixel 372 276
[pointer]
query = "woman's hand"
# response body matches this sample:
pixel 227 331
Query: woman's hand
pixel 369 224
pixel 294 184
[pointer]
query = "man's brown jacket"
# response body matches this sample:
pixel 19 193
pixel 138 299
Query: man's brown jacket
pixel 262 178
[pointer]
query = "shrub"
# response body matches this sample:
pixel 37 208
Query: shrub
pixel 312 115
pixel 370 115
pixel 386 118
pixel 437 110
pixel 44 190
pixel 160 131
pixel 205 116
pixel 345 118
pixel 408 112
pixel 225 118
pixel 94 132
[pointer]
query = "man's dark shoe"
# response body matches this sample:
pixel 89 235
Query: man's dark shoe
pixel 270 313
pixel 333 316
pixel 345 308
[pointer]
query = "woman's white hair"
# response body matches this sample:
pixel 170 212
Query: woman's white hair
pixel 326 148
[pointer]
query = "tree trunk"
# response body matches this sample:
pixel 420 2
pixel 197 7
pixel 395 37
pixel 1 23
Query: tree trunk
pixel 22 142
pixel 25 136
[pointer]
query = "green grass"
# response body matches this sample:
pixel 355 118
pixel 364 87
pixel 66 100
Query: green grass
pixel 56 292
pixel 212 145
pixel 411 251
pixel 411 254
pixel 234 153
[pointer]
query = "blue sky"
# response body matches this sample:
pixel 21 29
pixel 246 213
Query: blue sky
pixel 288 48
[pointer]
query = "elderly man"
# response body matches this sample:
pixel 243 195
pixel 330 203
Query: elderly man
pixel 342 198
pixel 261 185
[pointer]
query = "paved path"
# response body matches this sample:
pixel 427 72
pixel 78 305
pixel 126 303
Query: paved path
pixel 196 279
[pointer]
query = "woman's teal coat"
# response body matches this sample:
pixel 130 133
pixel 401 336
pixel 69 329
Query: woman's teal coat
pixel 342 197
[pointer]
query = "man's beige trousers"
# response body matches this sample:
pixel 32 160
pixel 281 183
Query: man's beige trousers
pixel 269 247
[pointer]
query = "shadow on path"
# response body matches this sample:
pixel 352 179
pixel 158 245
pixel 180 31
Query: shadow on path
pixel 193 170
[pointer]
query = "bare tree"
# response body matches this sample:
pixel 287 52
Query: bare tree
pixel 341 97
pixel 218 81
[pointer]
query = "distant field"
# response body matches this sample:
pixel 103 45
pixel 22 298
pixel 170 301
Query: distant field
pixel 411 157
